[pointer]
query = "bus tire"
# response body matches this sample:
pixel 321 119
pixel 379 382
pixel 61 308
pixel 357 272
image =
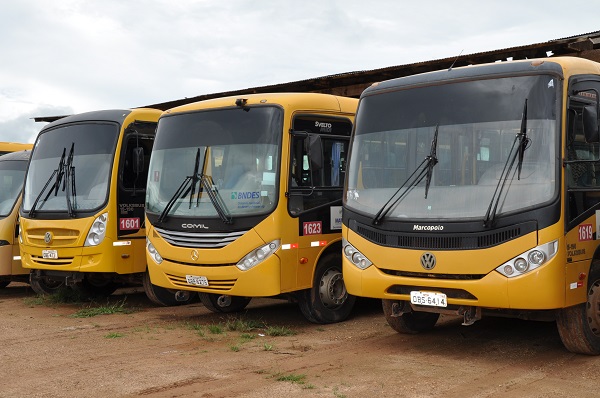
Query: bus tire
pixel 43 286
pixel 165 297
pixel 410 322
pixel 222 303
pixel 579 325
pixel 328 300
pixel 95 286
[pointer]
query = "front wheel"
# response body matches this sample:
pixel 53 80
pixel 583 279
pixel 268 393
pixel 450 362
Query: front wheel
pixel 579 326
pixel 328 300
pixel 410 322
pixel 165 297
pixel 222 303
pixel 44 286
pixel 95 286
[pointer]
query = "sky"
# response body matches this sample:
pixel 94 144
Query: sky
pixel 69 56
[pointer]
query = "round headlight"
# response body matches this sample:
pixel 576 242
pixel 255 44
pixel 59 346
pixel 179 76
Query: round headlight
pixel 521 265
pixel 508 270
pixel 536 257
pixel 357 258
pixel 348 251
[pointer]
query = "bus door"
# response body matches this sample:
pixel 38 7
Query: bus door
pixel 317 173
pixel 131 194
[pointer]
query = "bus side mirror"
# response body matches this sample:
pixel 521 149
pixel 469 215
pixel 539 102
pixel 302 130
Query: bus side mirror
pixel 314 149
pixel 138 160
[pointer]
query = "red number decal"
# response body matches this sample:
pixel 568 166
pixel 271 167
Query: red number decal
pixel 312 228
pixel 586 232
pixel 127 224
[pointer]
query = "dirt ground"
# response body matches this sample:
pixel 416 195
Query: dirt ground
pixel 270 350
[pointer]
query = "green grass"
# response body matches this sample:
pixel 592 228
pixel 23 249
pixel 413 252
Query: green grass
pixel 108 309
pixel 61 296
pixel 215 329
pixel 292 378
pixel 268 347
pixel 242 325
pixel 114 335
pixel 275 331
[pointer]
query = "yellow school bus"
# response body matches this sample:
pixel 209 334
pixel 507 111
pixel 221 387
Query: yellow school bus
pixel 244 200
pixel 12 174
pixel 82 217
pixel 476 191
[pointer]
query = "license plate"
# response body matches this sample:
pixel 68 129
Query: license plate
pixel 196 280
pixel 53 254
pixel 430 299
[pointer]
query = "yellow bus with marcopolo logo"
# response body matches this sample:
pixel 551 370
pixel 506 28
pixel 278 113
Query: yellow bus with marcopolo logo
pixel 476 191
pixel 244 200
pixel 12 174
pixel 82 217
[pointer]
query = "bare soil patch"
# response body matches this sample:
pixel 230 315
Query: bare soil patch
pixel 270 350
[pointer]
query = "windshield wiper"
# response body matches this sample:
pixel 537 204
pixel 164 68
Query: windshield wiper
pixel 424 170
pixel 206 184
pixel 195 177
pixel 69 183
pixel 520 144
pixel 58 172
pixel 523 140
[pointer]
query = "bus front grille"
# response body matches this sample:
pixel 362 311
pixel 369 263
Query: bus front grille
pixel 60 237
pixel 200 240
pixel 63 261
pixel 442 241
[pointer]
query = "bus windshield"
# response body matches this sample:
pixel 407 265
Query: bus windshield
pixel 216 163
pixel 70 168
pixel 12 174
pixel 477 123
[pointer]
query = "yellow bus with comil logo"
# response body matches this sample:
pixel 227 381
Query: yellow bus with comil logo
pixel 476 191
pixel 82 216
pixel 244 200
pixel 12 174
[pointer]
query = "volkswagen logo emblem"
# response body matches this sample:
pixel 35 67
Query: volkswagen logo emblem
pixel 428 260
pixel 194 255
pixel 48 237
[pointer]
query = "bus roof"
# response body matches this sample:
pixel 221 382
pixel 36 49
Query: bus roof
pixel 19 155
pixel 13 146
pixel 558 65
pixel 111 115
pixel 305 101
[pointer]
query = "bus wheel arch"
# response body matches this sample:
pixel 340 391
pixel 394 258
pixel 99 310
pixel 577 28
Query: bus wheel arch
pixel 579 325
pixel 222 303
pixel 327 301
pixel 410 322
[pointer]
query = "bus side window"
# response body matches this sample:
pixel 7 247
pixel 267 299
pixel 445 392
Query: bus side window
pixel 582 176
pixel 137 159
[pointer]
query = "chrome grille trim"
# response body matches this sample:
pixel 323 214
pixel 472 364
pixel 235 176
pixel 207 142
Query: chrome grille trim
pixel 203 240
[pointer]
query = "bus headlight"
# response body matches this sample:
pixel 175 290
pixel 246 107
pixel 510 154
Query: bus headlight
pixel 529 260
pixel 97 232
pixel 153 252
pixel 258 255
pixel 355 257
